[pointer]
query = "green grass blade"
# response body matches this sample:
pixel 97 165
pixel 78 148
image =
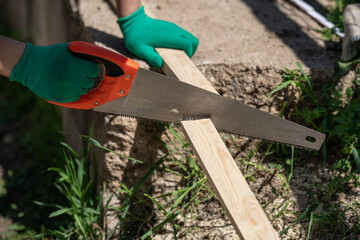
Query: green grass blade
pixel 282 210
pixel 55 169
pixel 310 224
pixel 285 181
pixel 80 171
pixel 72 199
pixel 157 227
pixel 182 196
pixel 72 151
pixel 302 70
pixel 155 202
pixel 307 91
pixel 357 158
pixel 308 211
pixel 292 163
pixel 59 212
pixel 97 144
pixel 153 167
pixel 78 221
pixel 47 204
pixel 282 85
pixel 76 190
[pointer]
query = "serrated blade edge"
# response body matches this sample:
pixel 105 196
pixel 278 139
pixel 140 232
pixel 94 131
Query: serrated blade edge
pixel 161 98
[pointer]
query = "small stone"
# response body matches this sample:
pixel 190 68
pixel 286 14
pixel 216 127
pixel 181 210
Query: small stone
pixel 223 90
pixel 8 139
pixel 301 201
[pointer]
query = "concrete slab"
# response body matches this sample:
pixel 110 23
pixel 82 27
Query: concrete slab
pixel 255 33
pixel 244 44
pixel 262 33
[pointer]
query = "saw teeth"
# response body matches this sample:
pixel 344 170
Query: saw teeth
pixel 220 131
pixel 144 119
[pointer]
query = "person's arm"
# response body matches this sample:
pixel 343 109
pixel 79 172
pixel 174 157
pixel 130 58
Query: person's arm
pixel 11 52
pixel 51 72
pixel 127 7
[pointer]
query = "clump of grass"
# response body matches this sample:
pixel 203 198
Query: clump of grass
pixel 171 204
pixel 181 201
pixel 136 212
pixel 84 208
pixel 330 112
pixel 80 216
pixel 338 116
pixel 84 205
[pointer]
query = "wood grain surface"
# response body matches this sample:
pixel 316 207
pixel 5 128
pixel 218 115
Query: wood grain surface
pixel 228 182
pixel 231 188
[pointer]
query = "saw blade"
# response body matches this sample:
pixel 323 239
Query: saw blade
pixel 161 98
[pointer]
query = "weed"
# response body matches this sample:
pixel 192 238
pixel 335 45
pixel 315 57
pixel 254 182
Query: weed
pixel 332 113
pixel 83 203
pixel 336 115
pixel 168 205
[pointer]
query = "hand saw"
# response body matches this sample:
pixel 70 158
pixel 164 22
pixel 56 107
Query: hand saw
pixel 130 91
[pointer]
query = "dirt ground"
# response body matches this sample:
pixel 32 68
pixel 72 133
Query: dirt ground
pixel 244 46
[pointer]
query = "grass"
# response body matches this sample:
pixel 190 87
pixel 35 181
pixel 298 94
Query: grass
pixel 82 210
pixel 80 213
pixel 338 116
pixel 73 210
pixel 169 205
pixel 326 110
pixel 84 204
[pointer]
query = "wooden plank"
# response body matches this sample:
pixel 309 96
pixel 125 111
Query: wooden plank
pixel 231 188
pixel 178 65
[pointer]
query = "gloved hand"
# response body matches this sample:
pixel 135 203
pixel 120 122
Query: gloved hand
pixel 53 73
pixel 143 34
pixel 351 43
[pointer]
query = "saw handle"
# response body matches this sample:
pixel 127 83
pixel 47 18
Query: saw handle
pixel 120 73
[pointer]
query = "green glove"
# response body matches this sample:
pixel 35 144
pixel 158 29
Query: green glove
pixel 143 34
pixel 53 73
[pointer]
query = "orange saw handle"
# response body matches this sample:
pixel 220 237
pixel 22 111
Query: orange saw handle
pixel 120 73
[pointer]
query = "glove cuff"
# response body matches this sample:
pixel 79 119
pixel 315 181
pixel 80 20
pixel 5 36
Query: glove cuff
pixel 15 75
pixel 31 65
pixel 125 23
